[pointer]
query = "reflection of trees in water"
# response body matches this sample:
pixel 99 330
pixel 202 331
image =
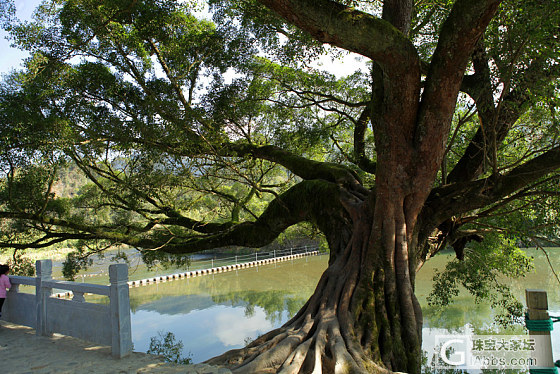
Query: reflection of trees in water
pixel 273 302
pixel 166 346
pixel 454 317
pixel 138 301
pixel 479 316
pixel 297 277
pixel 174 305
pixel 178 290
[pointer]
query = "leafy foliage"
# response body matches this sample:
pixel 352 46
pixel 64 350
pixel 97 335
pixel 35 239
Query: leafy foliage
pixel 166 346
pixel 20 265
pixel 192 130
pixel 484 273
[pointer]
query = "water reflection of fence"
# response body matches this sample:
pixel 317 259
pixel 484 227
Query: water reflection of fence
pixel 225 264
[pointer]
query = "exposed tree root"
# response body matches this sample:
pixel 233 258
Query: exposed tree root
pixel 316 347
pixel 314 341
pixel 360 319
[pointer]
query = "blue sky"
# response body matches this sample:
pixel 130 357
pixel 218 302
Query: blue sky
pixel 11 58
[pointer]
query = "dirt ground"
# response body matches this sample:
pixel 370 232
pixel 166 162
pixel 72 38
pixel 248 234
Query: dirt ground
pixel 22 352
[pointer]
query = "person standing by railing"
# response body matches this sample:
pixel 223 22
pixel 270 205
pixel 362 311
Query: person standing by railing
pixel 4 284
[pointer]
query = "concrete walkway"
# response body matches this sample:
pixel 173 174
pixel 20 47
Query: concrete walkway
pixel 22 352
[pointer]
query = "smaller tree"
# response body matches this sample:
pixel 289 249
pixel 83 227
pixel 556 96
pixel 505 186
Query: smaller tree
pixel 166 346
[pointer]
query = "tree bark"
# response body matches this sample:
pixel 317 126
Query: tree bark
pixel 363 316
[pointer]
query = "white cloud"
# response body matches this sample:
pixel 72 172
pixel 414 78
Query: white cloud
pixel 233 328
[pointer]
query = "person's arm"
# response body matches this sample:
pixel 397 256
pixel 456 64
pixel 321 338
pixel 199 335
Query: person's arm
pixel 6 282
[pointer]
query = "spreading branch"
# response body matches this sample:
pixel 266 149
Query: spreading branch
pixel 459 35
pixel 295 205
pixel 459 198
pixel 513 105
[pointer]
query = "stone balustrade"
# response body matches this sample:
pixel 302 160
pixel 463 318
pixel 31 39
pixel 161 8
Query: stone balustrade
pixel 98 323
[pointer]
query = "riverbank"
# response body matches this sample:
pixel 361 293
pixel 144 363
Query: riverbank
pixel 58 254
pixel 22 352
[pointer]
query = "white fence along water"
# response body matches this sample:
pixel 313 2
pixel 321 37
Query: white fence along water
pixel 225 264
pixel 101 324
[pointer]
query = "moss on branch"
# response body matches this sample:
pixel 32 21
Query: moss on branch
pixel 456 199
pixel 314 201
pixel 303 167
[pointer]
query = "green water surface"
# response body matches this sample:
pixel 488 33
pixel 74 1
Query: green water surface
pixel 214 313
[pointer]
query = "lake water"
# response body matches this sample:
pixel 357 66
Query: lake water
pixel 214 313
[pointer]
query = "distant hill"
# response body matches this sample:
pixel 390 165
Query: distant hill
pixel 69 182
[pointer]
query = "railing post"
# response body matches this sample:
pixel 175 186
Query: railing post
pixel 78 297
pixel 537 310
pixel 42 294
pixel 120 310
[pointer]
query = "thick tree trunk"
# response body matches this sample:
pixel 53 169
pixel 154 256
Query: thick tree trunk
pixel 363 316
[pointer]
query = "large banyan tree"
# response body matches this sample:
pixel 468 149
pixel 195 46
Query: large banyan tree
pixel 195 126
